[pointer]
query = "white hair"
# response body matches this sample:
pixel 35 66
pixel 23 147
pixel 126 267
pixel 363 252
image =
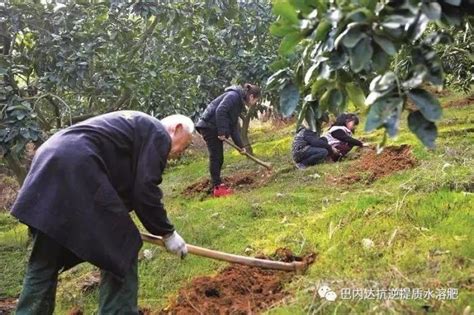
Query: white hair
pixel 173 120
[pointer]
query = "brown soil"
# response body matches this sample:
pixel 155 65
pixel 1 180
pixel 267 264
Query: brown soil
pixel 90 281
pixel 372 166
pixel 237 289
pixel 460 103
pixel 8 192
pixel 7 306
pixel 75 311
pixel 436 91
pixel 236 181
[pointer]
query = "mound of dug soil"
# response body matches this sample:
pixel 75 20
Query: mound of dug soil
pixel 460 103
pixel 239 180
pixel 7 306
pixel 372 166
pixel 237 289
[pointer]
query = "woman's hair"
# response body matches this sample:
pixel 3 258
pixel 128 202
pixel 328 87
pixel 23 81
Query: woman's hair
pixel 251 89
pixel 343 119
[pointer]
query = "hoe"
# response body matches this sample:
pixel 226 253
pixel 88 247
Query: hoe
pixel 243 260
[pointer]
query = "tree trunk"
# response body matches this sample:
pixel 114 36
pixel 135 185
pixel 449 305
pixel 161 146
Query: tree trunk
pixel 15 165
pixel 244 130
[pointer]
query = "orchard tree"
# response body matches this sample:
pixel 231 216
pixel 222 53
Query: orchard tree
pixel 344 52
pixel 65 62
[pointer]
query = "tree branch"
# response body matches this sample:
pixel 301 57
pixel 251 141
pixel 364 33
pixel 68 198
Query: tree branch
pixel 57 112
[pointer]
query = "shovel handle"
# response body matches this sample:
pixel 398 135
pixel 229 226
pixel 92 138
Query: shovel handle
pixel 250 156
pixel 243 260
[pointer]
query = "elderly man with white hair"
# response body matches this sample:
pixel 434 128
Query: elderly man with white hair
pixel 76 200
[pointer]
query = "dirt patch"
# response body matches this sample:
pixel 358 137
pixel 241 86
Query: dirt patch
pixel 286 255
pixel 8 191
pixel 236 181
pixel 237 289
pixel 371 166
pixel 7 306
pixel 460 102
pixel 90 281
pixel 75 311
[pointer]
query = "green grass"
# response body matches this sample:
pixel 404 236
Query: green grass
pixel 421 222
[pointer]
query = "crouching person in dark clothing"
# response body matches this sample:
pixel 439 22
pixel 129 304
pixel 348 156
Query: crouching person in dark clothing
pixel 339 136
pixel 309 149
pixel 220 121
pixel 76 199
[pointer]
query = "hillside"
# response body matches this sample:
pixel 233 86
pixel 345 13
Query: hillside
pixel 401 219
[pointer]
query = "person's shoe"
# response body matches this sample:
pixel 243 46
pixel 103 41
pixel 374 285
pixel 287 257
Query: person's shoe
pixel 221 191
pixel 300 166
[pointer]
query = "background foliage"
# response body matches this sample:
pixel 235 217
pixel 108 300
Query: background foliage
pixel 383 54
pixel 63 63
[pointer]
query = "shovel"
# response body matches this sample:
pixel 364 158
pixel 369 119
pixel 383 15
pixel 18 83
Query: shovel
pixel 243 260
pixel 268 166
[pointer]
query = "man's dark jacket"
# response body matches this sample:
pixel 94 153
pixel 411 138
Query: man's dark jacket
pixel 86 178
pixel 223 114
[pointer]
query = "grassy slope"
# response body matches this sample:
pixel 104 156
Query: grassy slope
pixel 421 222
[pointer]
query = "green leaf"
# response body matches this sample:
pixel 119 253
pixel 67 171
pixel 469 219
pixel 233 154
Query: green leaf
pixel 456 3
pixel 289 43
pixel 380 61
pixel 369 4
pixel 309 73
pixel 302 5
pixel 352 37
pixel 301 114
pixel 427 104
pixel 3 71
pixel 384 82
pixel 280 30
pixel 432 10
pixel 359 15
pixel 274 77
pixel 284 9
pixel 289 97
pixel 336 101
pixel 396 21
pixel 324 101
pixel 356 95
pixel 360 55
pixel 318 85
pixel 386 44
pixel 322 30
pixel 417 29
pixel 417 76
pixel 435 73
pixel 452 18
pixel 385 112
pixel 424 129
pixel 337 60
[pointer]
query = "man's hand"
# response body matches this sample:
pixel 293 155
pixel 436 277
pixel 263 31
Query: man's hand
pixel 175 244
pixel 243 151
pixel 335 151
pixel 365 144
pixel 222 138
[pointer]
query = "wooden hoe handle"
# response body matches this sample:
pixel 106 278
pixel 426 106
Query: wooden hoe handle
pixel 243 260
pixel 250 156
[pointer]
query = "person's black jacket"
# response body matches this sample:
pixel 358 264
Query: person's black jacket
pixel 307 138
pixel 85 180
pixel 223 114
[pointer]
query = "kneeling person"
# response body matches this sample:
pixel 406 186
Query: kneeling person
pixel 309 149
